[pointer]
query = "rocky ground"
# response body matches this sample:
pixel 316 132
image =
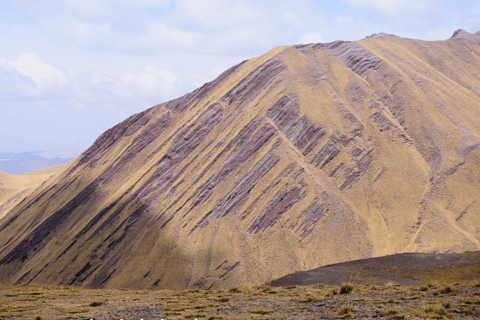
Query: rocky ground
pixel 432 301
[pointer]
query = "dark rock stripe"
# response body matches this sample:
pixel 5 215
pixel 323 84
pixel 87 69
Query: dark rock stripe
pixel 111 137
pixel 250 86
pixel 311 216
pixel 382 122
pixel 37 236
pixel 300 132
pixel 140 142
pixel 33 201
pixel 352 175
pixel 352 55
pixel 280 203
pixel 287 171
pixel 235 160
pixel 184 144
pixel 240 194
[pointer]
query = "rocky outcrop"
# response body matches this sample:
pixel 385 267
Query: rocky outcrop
pixel 352 55
pixel 301 132
pixel 461 35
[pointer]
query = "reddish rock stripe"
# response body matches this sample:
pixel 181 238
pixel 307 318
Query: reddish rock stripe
pixel 240 194
pixel 379 175
pixel 465 211
pixel 327 153
pixel 396 105
pixel 164 143
pixel 237 157
pixel 110 137
pixel 37 236
pixel 357 93
pixel 288 170
pixel 238 141
pixel 352 55
pixel 303 49
pixel 209 155
pixel 142 140
pixel 184 143
pixel 190 99
pixel 363 164
pixel 300 132
pixel 210 118
pixel 281 202
pixel 338 170
pixel 382 122
pixel 470 149
pixel 311 216
pixel 250 86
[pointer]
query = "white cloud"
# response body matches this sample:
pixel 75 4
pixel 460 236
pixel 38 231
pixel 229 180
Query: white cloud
pixel 313 37
pixel 99 61
pixel 28 76
pixel 394 7
pixel 160 33
pixel 207 26
pixel 30 65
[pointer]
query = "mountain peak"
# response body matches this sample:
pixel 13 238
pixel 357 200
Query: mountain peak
pixel 461 35
pixel 382 35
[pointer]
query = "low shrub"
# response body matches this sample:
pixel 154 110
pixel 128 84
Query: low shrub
pixel 263 311
pixel 346 288
pixel 346 309
pixel 96 303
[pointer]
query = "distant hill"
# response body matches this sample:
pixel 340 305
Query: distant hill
pixel 23 162
pixel 305 156
pixel 14 188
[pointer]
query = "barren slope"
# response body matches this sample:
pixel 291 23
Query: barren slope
pixel 305 156
pixel 14 188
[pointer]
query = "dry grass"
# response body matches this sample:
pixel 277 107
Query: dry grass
pixel 433 301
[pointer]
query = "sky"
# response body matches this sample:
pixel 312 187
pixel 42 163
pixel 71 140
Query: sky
pixel 71 69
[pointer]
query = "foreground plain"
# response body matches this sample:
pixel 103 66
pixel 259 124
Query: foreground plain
pixel 432 301
pixel 441 286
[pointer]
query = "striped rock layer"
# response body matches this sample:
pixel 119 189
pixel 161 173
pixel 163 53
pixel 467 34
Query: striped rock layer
pixel 305 156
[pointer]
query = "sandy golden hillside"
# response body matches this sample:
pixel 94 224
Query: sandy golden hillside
pixel 14 188
pixel 305 156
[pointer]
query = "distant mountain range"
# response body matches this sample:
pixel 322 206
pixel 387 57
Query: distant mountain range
pixel 23 162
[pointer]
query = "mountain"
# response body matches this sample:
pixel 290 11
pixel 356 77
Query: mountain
pixel 23 162
pixel 306 156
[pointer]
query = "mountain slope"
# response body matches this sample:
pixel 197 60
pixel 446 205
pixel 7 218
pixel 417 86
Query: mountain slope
pixel 14 188
pixel 305 156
